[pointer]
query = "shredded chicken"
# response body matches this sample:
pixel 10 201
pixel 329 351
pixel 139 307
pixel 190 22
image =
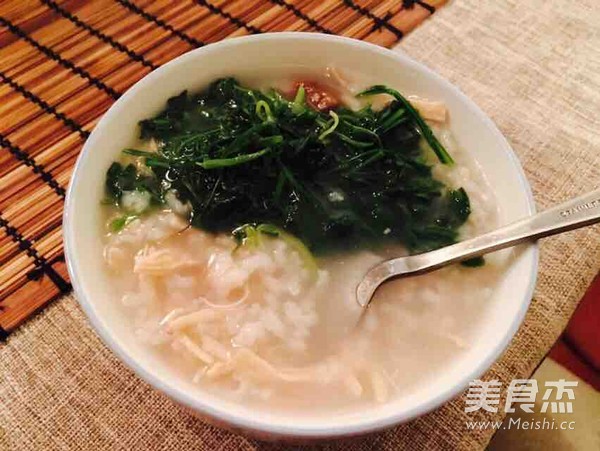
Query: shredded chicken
pixel 159 262
pixel 228 310
pixel 215 348
pixel 431 111
pixel 193 319
pixel 257 368
pixel 196 350
pixel 353 386
pixel 380 386
pixel 219 369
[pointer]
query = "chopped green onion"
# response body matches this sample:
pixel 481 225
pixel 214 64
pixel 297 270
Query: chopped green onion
pixel 331 129
pixel 250 235
pixel 263 110
pixel 299 101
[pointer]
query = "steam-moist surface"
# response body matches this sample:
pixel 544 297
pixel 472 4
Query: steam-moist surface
pixel 258 325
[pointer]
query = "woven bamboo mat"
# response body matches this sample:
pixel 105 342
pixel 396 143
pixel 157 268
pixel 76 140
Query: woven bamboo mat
pixel 62 65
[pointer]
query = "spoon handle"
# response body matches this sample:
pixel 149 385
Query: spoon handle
pixel 575 213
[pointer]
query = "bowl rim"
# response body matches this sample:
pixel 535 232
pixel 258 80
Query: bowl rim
pixel 254 425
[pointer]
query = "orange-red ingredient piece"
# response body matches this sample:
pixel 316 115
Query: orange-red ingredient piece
pixel 318 96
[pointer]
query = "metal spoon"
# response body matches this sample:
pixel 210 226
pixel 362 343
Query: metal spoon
pixel 573 214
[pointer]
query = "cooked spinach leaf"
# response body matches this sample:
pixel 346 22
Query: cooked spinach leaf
pixel 120 222
pixel 336 180
pixel 119 179
pixel 437 147
pixel 474 262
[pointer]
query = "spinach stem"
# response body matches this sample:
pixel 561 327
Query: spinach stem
pixel 217 163
pixel 437 147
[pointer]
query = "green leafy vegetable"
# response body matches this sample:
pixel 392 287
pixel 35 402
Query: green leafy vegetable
pixel 323 180
pixel 474 262
pixel 121 178
pixel 437 147
pixel 250 235
pixel 331 129
pixel 118 224
pixel 299 101
pixel 234 161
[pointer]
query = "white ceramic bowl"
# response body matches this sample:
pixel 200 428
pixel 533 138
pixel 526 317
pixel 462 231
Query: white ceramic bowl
pixel 472 129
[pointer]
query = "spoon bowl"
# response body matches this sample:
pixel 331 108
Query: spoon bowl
pixel 573 214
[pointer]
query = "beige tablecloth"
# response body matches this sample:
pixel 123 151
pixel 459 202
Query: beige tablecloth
pixel 534 67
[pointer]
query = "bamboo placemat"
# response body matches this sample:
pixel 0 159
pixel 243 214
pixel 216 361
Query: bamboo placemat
pixel 62 65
